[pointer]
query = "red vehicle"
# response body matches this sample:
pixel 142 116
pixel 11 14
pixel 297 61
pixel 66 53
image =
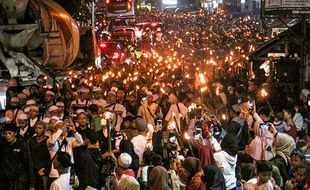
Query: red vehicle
pixel 112 52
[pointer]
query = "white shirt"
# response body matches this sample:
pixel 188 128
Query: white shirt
pixel 139 144
pixel 144 173
pixel 53 139
pixel 252 184
pixel 118 107
pixel 80 102
pixel 62 183
pixel 151 111
pixel 22 131
pixel 298 120
pixel 33 121
pixel 227 165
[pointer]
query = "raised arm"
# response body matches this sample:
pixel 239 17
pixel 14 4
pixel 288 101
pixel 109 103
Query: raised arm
pixel 52 140
pixel 78 140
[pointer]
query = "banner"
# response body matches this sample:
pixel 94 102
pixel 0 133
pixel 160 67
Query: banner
pixel 286 7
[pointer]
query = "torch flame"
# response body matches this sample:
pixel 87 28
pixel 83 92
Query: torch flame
pixel 217 91
pixel 202 78
pixel 108 115
pixel 186 136
pixel 264 93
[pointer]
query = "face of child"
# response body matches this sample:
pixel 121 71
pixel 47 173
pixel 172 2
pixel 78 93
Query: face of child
pixel 264 177
pixel 295 161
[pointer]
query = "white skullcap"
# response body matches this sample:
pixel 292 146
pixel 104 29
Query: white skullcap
pixel 61 104
pixel 49 92
pixel 30 102
pixel 55 117
pixel 97 89
pixel 124 160
pixel 84 90
pixel 305 92
pixel 149 93
pixel 46 120
pixel 57 122
pixel 36 108
pixel 111 93
pixel 52 108
pixel 79 111
pixel 22 116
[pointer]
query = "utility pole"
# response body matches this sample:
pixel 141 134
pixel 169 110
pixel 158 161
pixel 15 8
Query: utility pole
pixel 93 14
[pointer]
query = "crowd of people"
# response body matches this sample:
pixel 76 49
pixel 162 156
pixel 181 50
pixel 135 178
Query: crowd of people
pixel 185 116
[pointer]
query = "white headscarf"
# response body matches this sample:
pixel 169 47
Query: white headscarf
pixel 128 183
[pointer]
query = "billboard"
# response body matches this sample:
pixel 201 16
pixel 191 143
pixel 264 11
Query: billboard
pixel 286 7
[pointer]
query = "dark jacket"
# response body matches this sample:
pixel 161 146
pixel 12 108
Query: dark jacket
pixel 86 168
pixel 103 141
pixel 29 133
pixel 15 164
pixel 40 155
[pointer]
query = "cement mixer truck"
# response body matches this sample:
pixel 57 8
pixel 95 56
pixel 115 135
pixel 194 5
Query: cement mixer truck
pixel 37 36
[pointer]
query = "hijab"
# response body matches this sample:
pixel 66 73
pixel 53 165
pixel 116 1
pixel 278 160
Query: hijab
pixel 128 183
pixel 158 179
pixel 213 178
pixel 284 145
pixel 258 148
pixel 205 155
pixel 192 166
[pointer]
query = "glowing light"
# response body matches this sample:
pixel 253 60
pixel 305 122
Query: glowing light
pixel 264 93
pixel 202 78
pixel 108 115
pixel 203 89
pixel 217 91
pixel 186 136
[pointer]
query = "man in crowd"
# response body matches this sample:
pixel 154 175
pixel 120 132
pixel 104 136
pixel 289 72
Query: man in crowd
pixel 16 170
pixel 40 156
pixel 118 110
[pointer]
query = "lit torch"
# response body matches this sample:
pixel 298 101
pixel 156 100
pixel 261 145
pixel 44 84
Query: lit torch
pixel 264 93
pixel 188 138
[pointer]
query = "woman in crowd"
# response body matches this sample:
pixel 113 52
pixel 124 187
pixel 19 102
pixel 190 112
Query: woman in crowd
pixel 159 179
pixel 213 178
pixel 191 172
pixel 283 146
